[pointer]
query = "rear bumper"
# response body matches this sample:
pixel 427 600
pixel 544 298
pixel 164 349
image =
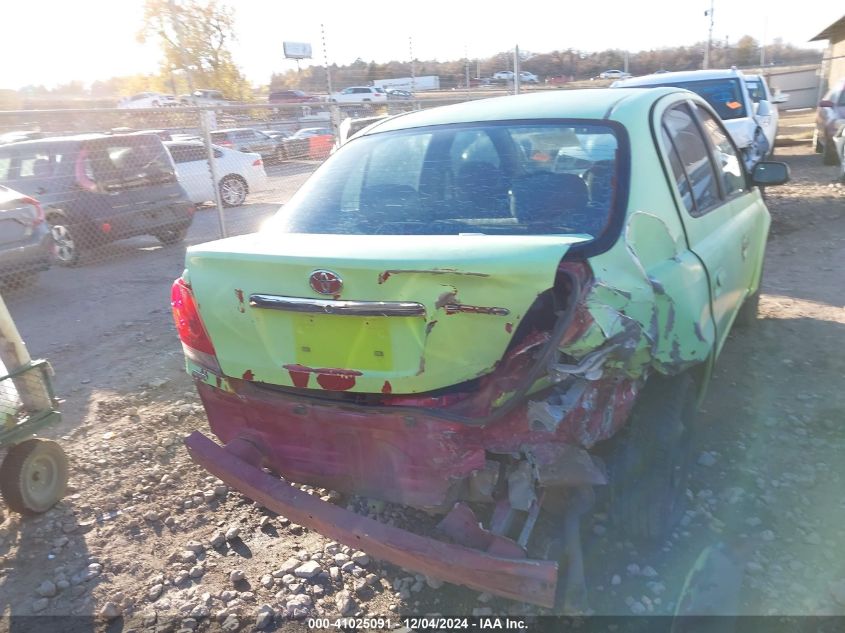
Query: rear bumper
pixel 27 258
pixel 239 465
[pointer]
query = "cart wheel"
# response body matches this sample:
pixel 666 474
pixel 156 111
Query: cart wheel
pixel 33 476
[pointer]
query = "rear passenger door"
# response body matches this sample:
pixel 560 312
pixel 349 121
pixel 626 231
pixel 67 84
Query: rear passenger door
pixel 193 171
pixel 726 221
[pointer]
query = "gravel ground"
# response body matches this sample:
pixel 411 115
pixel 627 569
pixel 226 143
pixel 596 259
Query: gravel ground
pixel 146 537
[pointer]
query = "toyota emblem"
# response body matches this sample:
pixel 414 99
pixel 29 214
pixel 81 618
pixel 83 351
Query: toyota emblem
pixel 325 282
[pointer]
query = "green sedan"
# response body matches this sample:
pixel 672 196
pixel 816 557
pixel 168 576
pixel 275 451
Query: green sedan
pixel 485 311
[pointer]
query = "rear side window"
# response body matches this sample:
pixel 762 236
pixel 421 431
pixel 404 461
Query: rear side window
pixel 694 155
pixel 726 157
pixel 5 167
pixel 187 153
pixel 130 161
pixel 35 165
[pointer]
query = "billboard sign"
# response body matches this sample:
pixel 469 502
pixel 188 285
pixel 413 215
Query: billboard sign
pixel 297 50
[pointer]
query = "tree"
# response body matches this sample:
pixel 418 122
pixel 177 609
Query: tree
pixel 194 38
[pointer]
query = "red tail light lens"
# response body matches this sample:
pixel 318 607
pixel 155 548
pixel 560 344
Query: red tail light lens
pixel 258 162
pixel 39 212
pixel 187 318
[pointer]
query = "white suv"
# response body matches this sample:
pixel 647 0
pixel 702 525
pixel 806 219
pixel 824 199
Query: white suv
pixel 359 94
pixel 727 92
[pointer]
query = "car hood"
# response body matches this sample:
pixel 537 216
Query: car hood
pixel 470 294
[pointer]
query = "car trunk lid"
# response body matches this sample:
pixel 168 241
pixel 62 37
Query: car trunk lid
pixel 410 314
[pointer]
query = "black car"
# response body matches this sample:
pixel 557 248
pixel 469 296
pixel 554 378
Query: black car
pixel 99 188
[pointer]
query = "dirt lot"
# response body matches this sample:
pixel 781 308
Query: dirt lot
pixel 145 536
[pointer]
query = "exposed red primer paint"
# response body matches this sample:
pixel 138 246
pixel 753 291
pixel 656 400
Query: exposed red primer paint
pixel 336 382
pixel 299 378
pixel 248 375
pixel 508 327
pixel 386 387
pixel 384 276
pixel 240 295
pixel 327 377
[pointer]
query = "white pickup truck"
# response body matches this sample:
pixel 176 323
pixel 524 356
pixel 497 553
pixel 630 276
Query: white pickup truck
pixel 203 98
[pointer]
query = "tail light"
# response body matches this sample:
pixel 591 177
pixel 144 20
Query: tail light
pixel 224 142
pixel 195 340
pixel 257 162
pixel 39 212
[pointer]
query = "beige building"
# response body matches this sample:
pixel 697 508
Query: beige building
pixel 833 66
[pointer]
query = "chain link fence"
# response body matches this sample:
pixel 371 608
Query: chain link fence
pixel 97 207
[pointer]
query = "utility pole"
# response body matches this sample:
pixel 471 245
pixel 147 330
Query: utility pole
pixel 706 64
pixel 413 65
pixel 625 63
pixel 516 70
pixel 326 60
pixel 763 44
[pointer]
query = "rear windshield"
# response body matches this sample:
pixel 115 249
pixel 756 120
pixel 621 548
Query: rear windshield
pixel 512 179
pixel 127 161
pixel 725 95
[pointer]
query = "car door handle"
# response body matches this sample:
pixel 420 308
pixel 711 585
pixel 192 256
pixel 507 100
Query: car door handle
pixel 743 251
pixel 720 278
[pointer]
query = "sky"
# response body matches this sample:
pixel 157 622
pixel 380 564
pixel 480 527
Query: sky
pixel 89 40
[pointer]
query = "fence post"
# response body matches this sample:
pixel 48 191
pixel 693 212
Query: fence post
pixel 13 354
pixel 208 120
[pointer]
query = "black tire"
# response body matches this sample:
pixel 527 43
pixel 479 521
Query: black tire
pixel 233 190
pixel 34 475
pixel 817 145
pixel 66 251
pixel 651 459
pixel 171 236
pixel 747 315
pixel 829 156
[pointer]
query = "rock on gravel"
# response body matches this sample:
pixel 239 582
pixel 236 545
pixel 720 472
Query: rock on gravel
pixel 289 566
pixel 218 539
pixel 39 605
pixel 298 606
pixel 360 558
pixel 46 589
pixel 154 592
pixel 237 575
pixel 232 533
pixel 264 617
pixel 231 623
pixel 344 602
pixel 308 569
pixel 110 611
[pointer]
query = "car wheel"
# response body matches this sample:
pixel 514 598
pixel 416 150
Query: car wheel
pixel 817 145
pixel 66 252
pixel 650 461
pixel 233 191
pixel 34 476
pixel 171 236
pixel 829 156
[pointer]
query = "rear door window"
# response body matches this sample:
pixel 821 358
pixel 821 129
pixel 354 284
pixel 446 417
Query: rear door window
pixel 694 155
pixel 130 161
pixel 187 153
pixel 725 155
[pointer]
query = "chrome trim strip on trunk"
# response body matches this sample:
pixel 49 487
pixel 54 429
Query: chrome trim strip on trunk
pixel 329 306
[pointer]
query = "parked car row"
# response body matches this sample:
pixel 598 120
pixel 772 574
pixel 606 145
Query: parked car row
pixel 751 124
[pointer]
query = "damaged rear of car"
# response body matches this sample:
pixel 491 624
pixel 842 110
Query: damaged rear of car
pixel 483 311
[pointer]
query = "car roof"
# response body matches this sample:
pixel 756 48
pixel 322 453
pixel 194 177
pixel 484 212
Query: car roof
pixel 49 140
pixel 596 103
pixel 233 129
pixel 684 75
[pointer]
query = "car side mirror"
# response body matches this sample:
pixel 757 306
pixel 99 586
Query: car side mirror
pixel 825 103
pixel 767 174
pixel 764 108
